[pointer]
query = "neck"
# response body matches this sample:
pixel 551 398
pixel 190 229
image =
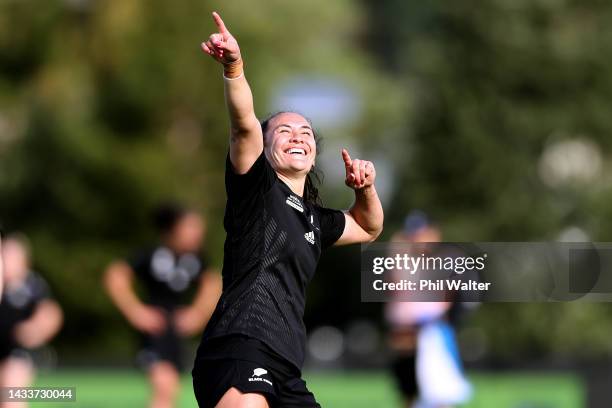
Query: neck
pixel 296 184
pixel 170 244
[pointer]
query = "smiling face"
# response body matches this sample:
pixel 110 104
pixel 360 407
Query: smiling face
pixel 290 144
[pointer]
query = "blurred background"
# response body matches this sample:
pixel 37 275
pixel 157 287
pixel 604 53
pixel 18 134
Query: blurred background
pixel 491 116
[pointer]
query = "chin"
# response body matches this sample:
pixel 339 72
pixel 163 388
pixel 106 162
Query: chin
pixel 300 167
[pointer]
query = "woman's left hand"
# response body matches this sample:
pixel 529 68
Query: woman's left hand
pixel 359 173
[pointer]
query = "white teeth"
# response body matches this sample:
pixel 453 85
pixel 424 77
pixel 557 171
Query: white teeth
pixel 296 151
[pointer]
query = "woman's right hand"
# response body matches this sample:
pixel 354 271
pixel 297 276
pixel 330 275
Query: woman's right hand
pixel 246 139
pixel 148 319
pixel 222 46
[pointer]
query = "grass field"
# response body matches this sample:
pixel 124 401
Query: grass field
pixel 122 389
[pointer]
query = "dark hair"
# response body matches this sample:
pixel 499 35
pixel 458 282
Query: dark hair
pixel 166 215
pixel 314 176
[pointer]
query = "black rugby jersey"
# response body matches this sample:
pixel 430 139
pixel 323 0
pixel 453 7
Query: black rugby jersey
pixel 169 279
pixel 18 304
pixel 273 244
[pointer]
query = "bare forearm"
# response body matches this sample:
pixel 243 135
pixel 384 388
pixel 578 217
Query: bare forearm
pixel 239 102
pixel 367 211
pixel 42 326
pixel 246 139
pixel 119 287
pixel 126 303
pixel 49 320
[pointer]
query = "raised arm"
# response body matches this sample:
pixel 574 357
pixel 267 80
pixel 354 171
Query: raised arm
pixel 364 220
pixel 246 139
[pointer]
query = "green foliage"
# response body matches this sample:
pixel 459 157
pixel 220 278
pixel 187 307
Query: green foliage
pixel 493 84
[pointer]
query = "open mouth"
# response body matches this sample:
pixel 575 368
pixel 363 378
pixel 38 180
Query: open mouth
pixel 296 151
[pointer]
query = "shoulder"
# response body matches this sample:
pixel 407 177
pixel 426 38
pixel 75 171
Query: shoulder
pixel 142 257
pixel 327 212
pixel 260 176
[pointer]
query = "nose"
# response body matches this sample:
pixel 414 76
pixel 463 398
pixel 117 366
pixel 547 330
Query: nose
pixel 296 137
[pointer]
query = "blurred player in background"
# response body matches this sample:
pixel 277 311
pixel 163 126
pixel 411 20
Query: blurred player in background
pixel 29 318
pixel 425 362
pixel 180 293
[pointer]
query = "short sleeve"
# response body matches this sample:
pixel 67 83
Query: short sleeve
pixel 139 262
pixel 332 224
pixel 38 287
pixel 260 178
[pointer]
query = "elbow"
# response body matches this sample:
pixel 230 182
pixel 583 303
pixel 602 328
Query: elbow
pixel 369 229
pixel 378 229
pixel 242 128
pixel 238 133
pixel 375 234
pixel 372 233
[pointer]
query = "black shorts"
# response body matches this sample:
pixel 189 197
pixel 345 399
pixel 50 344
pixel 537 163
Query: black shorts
pixel 404 371
pixel 166 347
pixel 254 369
pixel 5 352
pixel 17 352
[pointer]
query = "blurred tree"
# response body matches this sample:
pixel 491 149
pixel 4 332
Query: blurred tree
pixel 496 88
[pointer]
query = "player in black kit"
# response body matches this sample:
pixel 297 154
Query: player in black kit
pixel 29 317
pixel 180 293
pixel 252 350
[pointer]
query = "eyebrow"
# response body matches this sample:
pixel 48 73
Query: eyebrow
pixel 289 126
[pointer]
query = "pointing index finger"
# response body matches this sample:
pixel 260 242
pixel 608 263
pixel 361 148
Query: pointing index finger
pixel 219 22
pixel 347 158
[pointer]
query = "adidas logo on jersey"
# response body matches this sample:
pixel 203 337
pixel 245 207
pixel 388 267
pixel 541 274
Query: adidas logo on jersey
pixel 310 237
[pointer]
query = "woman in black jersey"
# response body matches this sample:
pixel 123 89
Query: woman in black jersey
pixel 252 350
